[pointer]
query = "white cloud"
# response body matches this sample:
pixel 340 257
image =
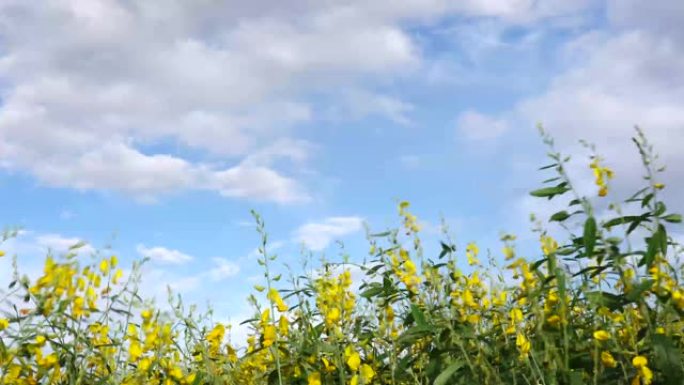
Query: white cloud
pixel 476 126
pixel 90 107
pixel 358 104
pixel 617 88
pixel 163 255
pixel 223 268
pixel 60 244
pixel 611 86
pixel 156 282
pixel 318 235
pixel 80 107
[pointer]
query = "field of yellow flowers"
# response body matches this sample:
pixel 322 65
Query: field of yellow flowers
pixel 602 305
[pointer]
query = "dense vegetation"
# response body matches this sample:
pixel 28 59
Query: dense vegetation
pixel 603 304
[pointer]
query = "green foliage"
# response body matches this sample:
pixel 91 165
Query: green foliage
pixel 601 302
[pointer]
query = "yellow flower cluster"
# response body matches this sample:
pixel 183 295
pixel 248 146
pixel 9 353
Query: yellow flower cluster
pixel 335 300
pixel 612 316
pixel 601 175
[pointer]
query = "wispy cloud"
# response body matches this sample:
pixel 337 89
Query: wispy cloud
pixel 318 235
pixel 223 268
pixel 61 244
pixel 163 255
pixel 476 126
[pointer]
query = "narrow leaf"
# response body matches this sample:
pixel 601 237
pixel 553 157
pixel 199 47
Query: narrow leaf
pixel 589 236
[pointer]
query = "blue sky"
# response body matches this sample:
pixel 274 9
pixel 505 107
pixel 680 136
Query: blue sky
pixel 156 127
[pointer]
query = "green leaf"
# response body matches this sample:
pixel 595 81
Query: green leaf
pixel 673 218
pixel 559 216
pixel 548 166
pixel 380 235
pixel 413 334
pixel 635 293
pixel 656 243
pixel 576 378
pixel 659 209
pixel 374 269
pixel 621 220
pixel 609 300
pixel 418 315
pixel 550 192
pixel 662 239
pixel 651 251
pixel 372 292
pixel 447 373
pixel 77 245
pixel 565 251
pixel 636 194
pixel 646 199
pixel 668 359
pixel 446 249
pixel 589 236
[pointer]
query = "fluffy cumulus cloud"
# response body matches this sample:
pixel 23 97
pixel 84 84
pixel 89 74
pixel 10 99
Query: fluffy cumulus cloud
pixel 318 235
pixel 223 268
pixel 57 243
pixel 163 255
pixel 623 74
pixel 94 93
pixel 475 126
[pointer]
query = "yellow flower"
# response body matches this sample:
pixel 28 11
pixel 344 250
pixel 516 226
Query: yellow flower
pixel 332 316
pixel 2 253
pixel 40 340
pixel 643 371
pixel 639 362
pixel 471 252
pixel 269 335
pixel 135 350
pixel 659 186
pixel 608 360
pixel 328 366
pixel 144 364
pixel 274 297
pixel 283 325
pixel 314 379
pixel 146 315
pixel 508 253
pixel 215 337
pixel 601 335
pixel 104 266
pixel 601 173
pixel 646 375
pixel 4 323
pixel 176 373
pixel 549 245
pixel 367 373
pixel 469 300
pixel 553 320
pixel 516 315
pixel 353 358
pixel 117 276
pixel 523 345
